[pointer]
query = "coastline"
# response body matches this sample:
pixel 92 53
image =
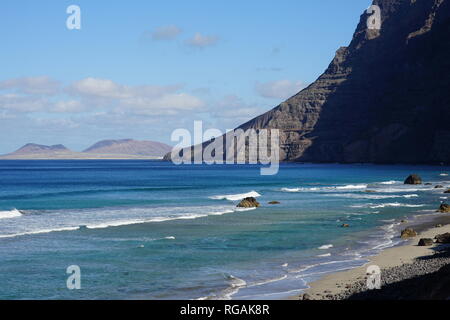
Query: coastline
pixel 344 284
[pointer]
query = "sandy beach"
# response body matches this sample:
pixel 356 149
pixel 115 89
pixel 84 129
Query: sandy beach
pixel 397 264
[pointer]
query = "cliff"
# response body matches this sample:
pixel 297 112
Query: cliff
pixel 383 99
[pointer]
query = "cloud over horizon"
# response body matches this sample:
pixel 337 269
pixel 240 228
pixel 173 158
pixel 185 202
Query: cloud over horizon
pixel 45 95
pixel 32 85
pixel 99 108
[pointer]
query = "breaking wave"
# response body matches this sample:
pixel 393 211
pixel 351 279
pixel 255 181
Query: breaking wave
pixel 236 197
pixel 14 213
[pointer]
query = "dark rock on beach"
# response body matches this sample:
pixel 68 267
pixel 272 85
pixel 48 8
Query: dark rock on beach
pixel 305 296
pixel 248 203
pixel 443 238
pixel 408 233
pixel 413 179
pixel 425 242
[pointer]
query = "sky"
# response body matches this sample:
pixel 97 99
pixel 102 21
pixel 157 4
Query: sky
pixel 141 69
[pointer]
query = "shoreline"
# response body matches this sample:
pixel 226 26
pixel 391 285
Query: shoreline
pixel 351 283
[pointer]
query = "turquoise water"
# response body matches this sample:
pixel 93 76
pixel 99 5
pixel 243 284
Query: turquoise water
pixel 153 230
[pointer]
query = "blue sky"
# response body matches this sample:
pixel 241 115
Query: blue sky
pixel 140 69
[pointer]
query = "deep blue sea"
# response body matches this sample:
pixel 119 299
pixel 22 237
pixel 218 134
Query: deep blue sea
pixel 153 230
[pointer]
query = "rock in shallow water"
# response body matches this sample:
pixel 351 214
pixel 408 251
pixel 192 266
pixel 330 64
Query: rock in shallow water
pixel 413 179
pixel 249 202
pixel 444 208
pixel 274 202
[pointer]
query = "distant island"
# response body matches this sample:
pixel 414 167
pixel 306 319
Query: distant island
pixel 105 149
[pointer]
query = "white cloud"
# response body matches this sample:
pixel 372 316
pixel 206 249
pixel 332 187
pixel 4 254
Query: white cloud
pixel 22 103
pixel 93 107
pixel 167 104
pixel 68 106
pixel 31 85
pixel 202 41
pixel 56 124
pixel 169 32
pixel 102 88
pixel 281 89
pixel 143 100
pixel 102 95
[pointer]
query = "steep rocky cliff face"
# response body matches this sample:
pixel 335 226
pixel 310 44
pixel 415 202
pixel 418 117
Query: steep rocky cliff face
pixel 383 99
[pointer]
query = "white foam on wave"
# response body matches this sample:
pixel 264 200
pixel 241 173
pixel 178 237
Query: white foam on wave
pixel 244 209
pixel 163 219
pixel 324 255
pixel 238 284
pixel 396 204
pixel 326 189
pixel 291 189
pixel 263 282
pixel 385 205
pixel 373 196
pixel 389 182
pixel 404 189
pixel 236 197
pixel 235 285
pixel 352 186
pixel 444 174
pixel 70 220
pixel 14 213
pixel 113 224
pixel 327 263
pixel 325 247
pixel 38 232
pixel 410 196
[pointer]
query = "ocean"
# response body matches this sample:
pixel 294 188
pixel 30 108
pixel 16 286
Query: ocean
pixel 153 230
